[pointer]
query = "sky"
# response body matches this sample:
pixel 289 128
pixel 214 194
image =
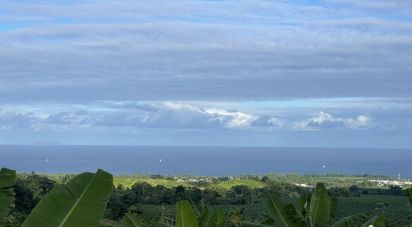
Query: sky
pixel 314 73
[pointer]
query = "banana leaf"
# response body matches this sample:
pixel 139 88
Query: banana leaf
pixel 7 180
pixel 350 221
pixel 376 221
pixel 303 203
pixel 283 215
pixel 79 203
pixel 132 220
pixel 212 218
pixel 320 206
pixel 185 216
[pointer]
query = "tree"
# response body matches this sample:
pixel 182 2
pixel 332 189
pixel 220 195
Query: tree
pixel 354 190
pixel 395 190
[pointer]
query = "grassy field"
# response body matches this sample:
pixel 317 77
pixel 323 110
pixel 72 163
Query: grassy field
pixel 234 182
pixel 129 181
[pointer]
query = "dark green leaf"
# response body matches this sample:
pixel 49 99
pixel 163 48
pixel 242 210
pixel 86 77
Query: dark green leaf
pixel 284 216
pixel 351 221
pixel 185 216
pixel 320 206
pixel 376 221
pixel 213 218
pixel 81 202
pixel 132 220
pixel 303 203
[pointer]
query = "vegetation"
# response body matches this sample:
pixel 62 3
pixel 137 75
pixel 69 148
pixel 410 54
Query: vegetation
pixel 95 199
pixel 81 202
pixel 7 180
pixel 315 209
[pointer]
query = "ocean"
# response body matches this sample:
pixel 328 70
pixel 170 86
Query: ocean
pixel 207 161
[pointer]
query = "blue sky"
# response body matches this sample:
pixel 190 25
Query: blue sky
pixel 326 73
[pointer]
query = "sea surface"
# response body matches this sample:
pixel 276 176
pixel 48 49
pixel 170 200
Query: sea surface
pixel 210 161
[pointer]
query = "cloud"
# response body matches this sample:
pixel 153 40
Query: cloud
pixel 9 120
pixel 192 66
pixel 323 120
pixel 200 50
pixel 130 115
pixel 267 121
pixel 170 115
pixel 206 123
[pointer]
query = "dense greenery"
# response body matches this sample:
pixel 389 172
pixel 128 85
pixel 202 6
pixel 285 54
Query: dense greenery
pixel 7 180
pixel 168 201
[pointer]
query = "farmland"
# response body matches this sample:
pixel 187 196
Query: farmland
pixel 242 198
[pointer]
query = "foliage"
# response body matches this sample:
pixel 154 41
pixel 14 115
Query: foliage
pixel 396 208
pixel 29 190
pixel 129 181
pixel 132 220
pixel 377 221
pixel 283 215
pixel 145 204
pixel 228 184
pixel 212 217
pixel 320 206
pixel 7 180
pixel 185 216
pixel 351 221
pixel 313 210
pixel 409 194
pixel 80 202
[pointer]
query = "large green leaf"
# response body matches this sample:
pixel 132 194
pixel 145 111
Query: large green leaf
pixel 212 218
pixel 376 221
pixel 79 203
pixel 350 221
pixel 320 206
pixel 132 220
pixel 283 215
pixel 184 215
pixel 7 180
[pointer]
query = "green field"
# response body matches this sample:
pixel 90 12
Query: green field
pixel 129 181
pixel 228 184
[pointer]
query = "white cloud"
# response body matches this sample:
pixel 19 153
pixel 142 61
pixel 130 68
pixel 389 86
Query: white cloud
pixel 359 122
pixel 267 121
pixel 231 119
pixel 171 115
pixel 130 115
pixel 325 120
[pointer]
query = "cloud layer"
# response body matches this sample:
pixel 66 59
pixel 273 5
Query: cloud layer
pixel 270 73
pixel 354 122
pixel 326 120
pixel 171 115
pixel 202 50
